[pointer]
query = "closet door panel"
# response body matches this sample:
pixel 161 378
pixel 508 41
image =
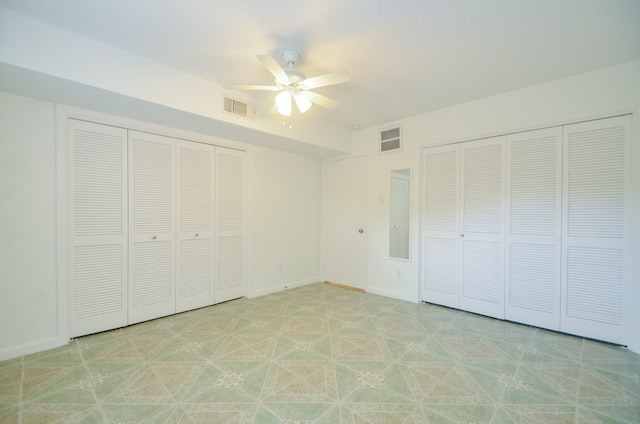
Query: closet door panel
pixel 230 224
pixel 597 244
pixel 152 226
pixel 98 221
pixel 534 172
pixel 482 226
pixel 440 239
pixel 194 284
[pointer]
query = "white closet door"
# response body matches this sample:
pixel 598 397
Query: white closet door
pixel 152 226
pixel 482 226
pixel 596 270
pixel 231 224
pixel 533 252
pixel 441 234
pixel 98 190
pixel 194 267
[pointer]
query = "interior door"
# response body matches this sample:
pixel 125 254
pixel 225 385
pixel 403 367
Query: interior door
pixel 533 251
pixel 194 265
pixel 98 199
pixel 344 216
pixel 230 224
pixel 440 267
pixel 597 238
pixel 482 226
pixel 152 226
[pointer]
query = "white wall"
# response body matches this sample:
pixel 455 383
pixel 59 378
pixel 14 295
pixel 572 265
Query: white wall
pixel 28 298
pixel 596 94
pixel 285 239
pixel 284 216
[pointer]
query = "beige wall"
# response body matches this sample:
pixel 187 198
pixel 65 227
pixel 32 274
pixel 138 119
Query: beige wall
pixel 28 298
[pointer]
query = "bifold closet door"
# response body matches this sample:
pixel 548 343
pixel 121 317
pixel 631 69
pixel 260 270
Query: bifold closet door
pixel 194 266
pixel 440 239
pixel 151 226
pixel 482 224
pixel 533 250
pixel 98 225
pixel 597 238
pixel 230 224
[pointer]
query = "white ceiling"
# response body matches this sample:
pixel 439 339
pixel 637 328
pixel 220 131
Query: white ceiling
pixel 405 57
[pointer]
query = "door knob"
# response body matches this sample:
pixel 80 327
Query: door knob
pixel 361 230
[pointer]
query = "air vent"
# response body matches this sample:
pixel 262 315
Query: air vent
pixel 390 140
pixel 238 108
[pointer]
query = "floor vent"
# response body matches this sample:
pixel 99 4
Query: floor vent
pixel 238 108
pixel 390 140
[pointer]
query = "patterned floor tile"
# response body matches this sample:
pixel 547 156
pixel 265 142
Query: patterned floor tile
pixel 295 381
pixel 536 414
pixel 360 347
pixel 61 413
pixel 230 382
pixel 303 347
pixel 247 347
pixel 372 382
pixel 324 355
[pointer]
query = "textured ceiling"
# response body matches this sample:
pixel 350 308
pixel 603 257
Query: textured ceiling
pixel 405 57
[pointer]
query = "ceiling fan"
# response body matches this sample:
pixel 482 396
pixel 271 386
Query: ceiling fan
pixel 293 85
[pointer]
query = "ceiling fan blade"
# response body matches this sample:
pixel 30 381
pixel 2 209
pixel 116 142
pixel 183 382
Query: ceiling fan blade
pixel 331 78
pixel 252 87
pixel 320 100
pixel 272 65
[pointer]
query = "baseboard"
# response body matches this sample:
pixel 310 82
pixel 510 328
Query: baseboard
pixel 282 287
pixel 33 347
pixel 394 294
pixel 344 286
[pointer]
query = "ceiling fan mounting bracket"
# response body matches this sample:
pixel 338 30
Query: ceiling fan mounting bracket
pixel 290 57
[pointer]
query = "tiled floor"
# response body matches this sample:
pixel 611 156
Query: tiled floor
pixel 321 354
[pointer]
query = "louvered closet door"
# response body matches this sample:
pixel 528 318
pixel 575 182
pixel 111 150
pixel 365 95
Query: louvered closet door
pixel 596 271
pixel 440 239
pixel 482 226
pixel 533 252
pixel 194 273
pixel 152 226
pixel 231 224
pixel 98 191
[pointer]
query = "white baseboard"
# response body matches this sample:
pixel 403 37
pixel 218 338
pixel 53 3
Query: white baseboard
pixel 282 287
pixel 394 294
pixel 33 347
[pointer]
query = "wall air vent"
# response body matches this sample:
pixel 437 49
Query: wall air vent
pixel 238 108
pixel 390 140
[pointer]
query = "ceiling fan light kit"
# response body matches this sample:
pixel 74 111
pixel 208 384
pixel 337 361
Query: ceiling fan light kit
pixel 293 85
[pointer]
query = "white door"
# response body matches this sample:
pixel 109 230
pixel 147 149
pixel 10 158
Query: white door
pixel 230 224
pixel 533 250
pixel 344 202
pixel 440 267
pixel 98 221
pixel 194 265
pixel 482 226
pixel 152 226
pixel 597 243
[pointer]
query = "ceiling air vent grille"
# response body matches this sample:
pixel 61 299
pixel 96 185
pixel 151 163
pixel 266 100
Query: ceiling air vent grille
pixel 238 108
pixel 390 140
